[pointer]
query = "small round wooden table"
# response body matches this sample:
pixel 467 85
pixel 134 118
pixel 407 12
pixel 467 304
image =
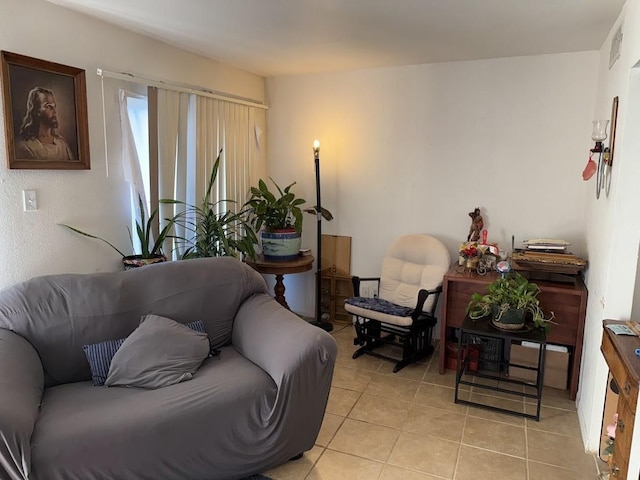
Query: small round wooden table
pixel 280 269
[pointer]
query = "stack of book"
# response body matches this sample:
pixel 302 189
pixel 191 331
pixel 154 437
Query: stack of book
pixel 549 245
pixel 547 255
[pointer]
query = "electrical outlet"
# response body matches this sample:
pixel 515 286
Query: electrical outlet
pixel 29 200
pixel 364 292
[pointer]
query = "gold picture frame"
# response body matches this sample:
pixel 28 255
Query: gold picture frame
pixel 45 114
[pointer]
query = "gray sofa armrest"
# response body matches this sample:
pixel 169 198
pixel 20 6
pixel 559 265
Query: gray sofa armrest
pixel 298 356
pixel 21 387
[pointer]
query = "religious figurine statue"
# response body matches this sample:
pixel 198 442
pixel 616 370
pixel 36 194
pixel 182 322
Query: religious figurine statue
pixel 477 224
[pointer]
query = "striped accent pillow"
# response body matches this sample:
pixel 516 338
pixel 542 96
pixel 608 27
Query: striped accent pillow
pixel 99 355
pixel 198 326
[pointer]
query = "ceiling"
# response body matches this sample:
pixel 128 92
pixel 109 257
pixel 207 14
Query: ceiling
pixel 285 37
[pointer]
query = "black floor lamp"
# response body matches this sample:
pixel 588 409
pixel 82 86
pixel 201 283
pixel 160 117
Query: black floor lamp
pixel 319 322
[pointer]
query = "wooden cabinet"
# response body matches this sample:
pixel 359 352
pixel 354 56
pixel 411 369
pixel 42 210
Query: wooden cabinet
pixel 619 352
pixel 624 434
pixel 568 301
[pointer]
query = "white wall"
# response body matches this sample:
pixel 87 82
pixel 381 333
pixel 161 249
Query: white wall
pixel 613 224
pixel 414 149
pixel 31 243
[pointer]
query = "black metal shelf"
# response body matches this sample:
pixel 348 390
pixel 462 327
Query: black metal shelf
pixel 484 329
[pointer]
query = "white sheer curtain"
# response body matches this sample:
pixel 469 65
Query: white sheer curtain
pixel 130 159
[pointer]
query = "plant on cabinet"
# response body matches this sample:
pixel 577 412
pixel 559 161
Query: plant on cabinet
pixel 508 301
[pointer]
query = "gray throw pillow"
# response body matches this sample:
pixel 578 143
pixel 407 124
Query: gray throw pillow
pixel 160 352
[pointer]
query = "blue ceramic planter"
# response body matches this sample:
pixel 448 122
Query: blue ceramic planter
pixel 280 246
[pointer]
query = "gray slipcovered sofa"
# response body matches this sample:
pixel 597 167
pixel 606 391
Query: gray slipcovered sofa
pixel 254 406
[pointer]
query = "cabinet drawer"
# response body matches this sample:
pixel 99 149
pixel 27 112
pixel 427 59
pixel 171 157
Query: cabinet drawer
pixel 628 388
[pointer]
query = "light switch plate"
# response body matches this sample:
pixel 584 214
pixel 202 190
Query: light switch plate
pixel 29 200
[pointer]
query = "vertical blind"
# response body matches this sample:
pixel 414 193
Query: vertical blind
pixel 189 131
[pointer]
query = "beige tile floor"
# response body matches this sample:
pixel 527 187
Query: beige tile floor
pixel 405 426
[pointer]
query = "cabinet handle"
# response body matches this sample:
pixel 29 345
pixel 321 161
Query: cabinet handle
pixel 621 425
pixel 615 470
pixel 627 388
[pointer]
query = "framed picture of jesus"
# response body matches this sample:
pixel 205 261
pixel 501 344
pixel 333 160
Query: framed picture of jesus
pixel 45 114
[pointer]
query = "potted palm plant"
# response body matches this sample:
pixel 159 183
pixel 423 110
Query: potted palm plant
pixel 209 229
pixel 510 300
pixel 277 216
pixel 151 251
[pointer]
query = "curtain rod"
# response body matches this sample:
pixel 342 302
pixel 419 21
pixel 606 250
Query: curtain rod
pixel 183 88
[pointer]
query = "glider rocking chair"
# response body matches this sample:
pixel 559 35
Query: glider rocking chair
pixel 409 286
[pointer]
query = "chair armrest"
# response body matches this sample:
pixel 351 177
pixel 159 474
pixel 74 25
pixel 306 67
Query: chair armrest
pixel 298 356
pixel 422 297
pixel 21 387
pixel 357 280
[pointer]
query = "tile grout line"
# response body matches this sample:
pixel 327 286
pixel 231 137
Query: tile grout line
pixel 526 445
pixel 464 426
pixel 324 449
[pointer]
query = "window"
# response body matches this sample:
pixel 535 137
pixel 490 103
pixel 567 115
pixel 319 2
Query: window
pixel 138 110
pixel 188 130
pixel 135 153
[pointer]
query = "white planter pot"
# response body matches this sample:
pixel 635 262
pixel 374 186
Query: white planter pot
pixel 281 245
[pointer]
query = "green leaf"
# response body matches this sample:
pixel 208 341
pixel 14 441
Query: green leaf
pixel 92 236
pixel 212 178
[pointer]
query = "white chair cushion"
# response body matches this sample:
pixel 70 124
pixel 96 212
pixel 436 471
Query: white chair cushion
pixel 413 262
pixel 380 316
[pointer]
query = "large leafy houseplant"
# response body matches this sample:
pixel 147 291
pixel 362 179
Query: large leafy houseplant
pixel 210 231
pixel 279 210
pixel 150 250
pixel 277 217
pixel 509 292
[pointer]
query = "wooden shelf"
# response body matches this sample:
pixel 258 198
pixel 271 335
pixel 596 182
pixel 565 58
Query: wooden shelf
pixel 336 284
pixel 335 290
